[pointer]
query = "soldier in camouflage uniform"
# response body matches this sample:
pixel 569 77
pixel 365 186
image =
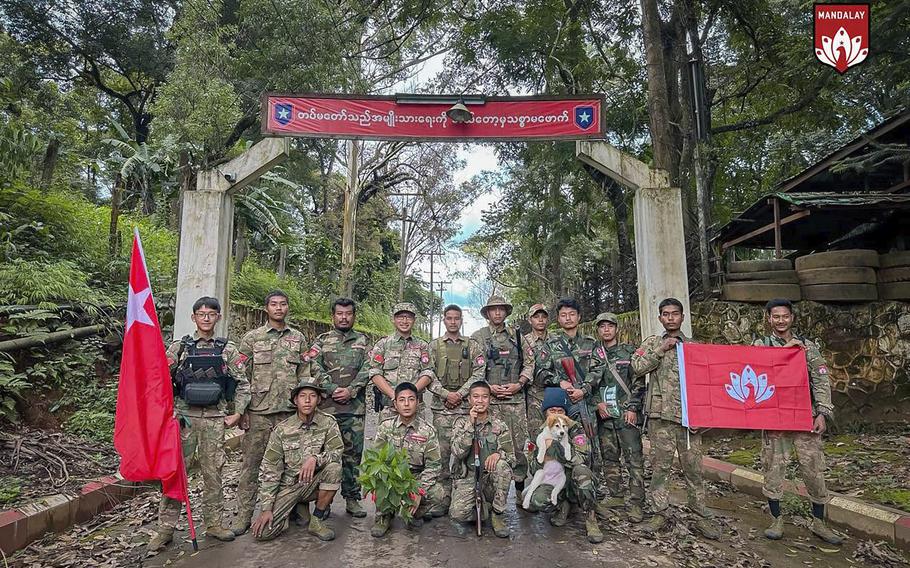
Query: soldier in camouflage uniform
pixel 776 445
pixel 338 360
pixel 457 362
pixel 408 430
pixel 657 355
pixel 539 318
pixel 496 456
pixel 619 399
pixel 273 355
pixel 505 357
pixel 202 427
pixel 302 463
pixel 399 357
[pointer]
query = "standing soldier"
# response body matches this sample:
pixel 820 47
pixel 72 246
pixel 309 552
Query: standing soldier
pixel 619 401
pixel 566 362
pixel 457 362
pixel 496 456
pixel 273 355
pixel 505 357
pixel 398 358
pixel 657 355
pixel 776 445
pixel 539 318
pixel 302 463
pixel 579 487
pixel 408 430
pixel 338 361
pixel 208 378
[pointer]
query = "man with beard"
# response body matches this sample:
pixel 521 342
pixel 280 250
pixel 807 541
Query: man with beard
pixel 338 361
pixel 274 365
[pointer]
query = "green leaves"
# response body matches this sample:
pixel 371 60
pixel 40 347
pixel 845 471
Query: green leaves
pixel 385 472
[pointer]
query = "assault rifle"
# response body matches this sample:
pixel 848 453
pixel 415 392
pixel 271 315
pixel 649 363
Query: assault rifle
pixel 588 423
pixel 478 491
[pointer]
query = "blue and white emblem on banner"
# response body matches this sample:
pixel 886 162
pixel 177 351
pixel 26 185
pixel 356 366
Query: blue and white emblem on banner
pixel 284 112
pixel 584 116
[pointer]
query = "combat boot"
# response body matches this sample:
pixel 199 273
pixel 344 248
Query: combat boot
pixel 635 513
pixel 656 523
pixel 220 533
pixel 500 528
pixel 354 508
pixel 707 528
pixel 320 529
pixel 613 502
pixel 380 526
pixel 415 523
pixel 593 528
pixel 822 531
pixel 561 516
pixel 776 530
pixel 240 525
pixel 161 539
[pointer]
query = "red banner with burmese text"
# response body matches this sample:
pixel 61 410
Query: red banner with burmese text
pixel 384 118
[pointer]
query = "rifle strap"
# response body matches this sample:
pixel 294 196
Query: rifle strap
pixel 618 379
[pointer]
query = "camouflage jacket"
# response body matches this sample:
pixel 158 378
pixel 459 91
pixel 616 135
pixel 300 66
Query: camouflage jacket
pixel 530 372
pixel 504 359
pixel 494 437
pixel 553 351
pixel 663 398
pixel 340 359
pixel 456 365
pixel 819 383
pixel 618 359
pixel 274 364
pixel 419 439
pixel 235 367
pixel 399 359
pixel 290 444
pixel 580 445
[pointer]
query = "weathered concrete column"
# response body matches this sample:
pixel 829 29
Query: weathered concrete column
pixel 207 230
pixel 660 245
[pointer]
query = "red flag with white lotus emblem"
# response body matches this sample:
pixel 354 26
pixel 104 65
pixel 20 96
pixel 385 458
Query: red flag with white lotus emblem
pixel 841 34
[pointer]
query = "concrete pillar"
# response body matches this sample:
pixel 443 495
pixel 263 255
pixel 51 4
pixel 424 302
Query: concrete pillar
pixel 660 245
pixel 207 230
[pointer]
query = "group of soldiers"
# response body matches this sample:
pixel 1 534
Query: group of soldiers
pixel 303 405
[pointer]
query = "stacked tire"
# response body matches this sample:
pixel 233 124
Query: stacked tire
pixel 894 276
pixel 761 280
pixel 839 276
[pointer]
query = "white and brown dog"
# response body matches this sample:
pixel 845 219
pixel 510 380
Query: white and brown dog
pixel 555 431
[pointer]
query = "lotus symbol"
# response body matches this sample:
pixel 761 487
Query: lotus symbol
pixel 738 388
pixel 841 51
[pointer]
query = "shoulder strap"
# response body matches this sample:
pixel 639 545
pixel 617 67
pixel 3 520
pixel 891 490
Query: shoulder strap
pixel 186 342
pixel 220 343
pixel 619 381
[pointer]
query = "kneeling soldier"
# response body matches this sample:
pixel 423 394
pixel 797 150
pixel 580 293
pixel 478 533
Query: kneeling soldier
pixel 410 431
pixel 208 380
pixel 496 456
pixel 579 487
pixel 302 463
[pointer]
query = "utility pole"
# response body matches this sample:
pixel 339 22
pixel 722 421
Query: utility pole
pixel 405 240
pixel 349 225
pixel 432 254
pixel 442 288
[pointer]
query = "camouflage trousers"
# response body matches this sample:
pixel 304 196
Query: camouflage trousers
pixel 253 447
pixel 494 486
pixel 351 427
pixel 579 490
pixel 326 479
pixel 534 401
pixel 668 438
pixel 207 436
pixel 515 418
pixel 443 423
pixel 775 455
pixel 619 439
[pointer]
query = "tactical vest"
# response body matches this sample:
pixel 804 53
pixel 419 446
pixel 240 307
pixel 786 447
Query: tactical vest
pixel 202 378
pixel 453 363
pixel 504 359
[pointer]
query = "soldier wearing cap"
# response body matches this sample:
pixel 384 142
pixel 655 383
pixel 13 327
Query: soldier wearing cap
pixel 457 362
pixel 302 463
pixel 539 318
pixel 505 359
pixel 619 398
pixel 399 357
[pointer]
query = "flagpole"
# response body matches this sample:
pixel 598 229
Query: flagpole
pixel 186 491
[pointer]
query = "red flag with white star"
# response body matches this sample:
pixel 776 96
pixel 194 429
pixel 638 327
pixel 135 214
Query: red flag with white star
pixel 146 432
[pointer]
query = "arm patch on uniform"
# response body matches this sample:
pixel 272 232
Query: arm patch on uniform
pixel 580 440
pixel 639 351
pixel 823 370
pixel 480 360
pixel 601 352
pixel 241 359
pixel 424 357
pixel 379 358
